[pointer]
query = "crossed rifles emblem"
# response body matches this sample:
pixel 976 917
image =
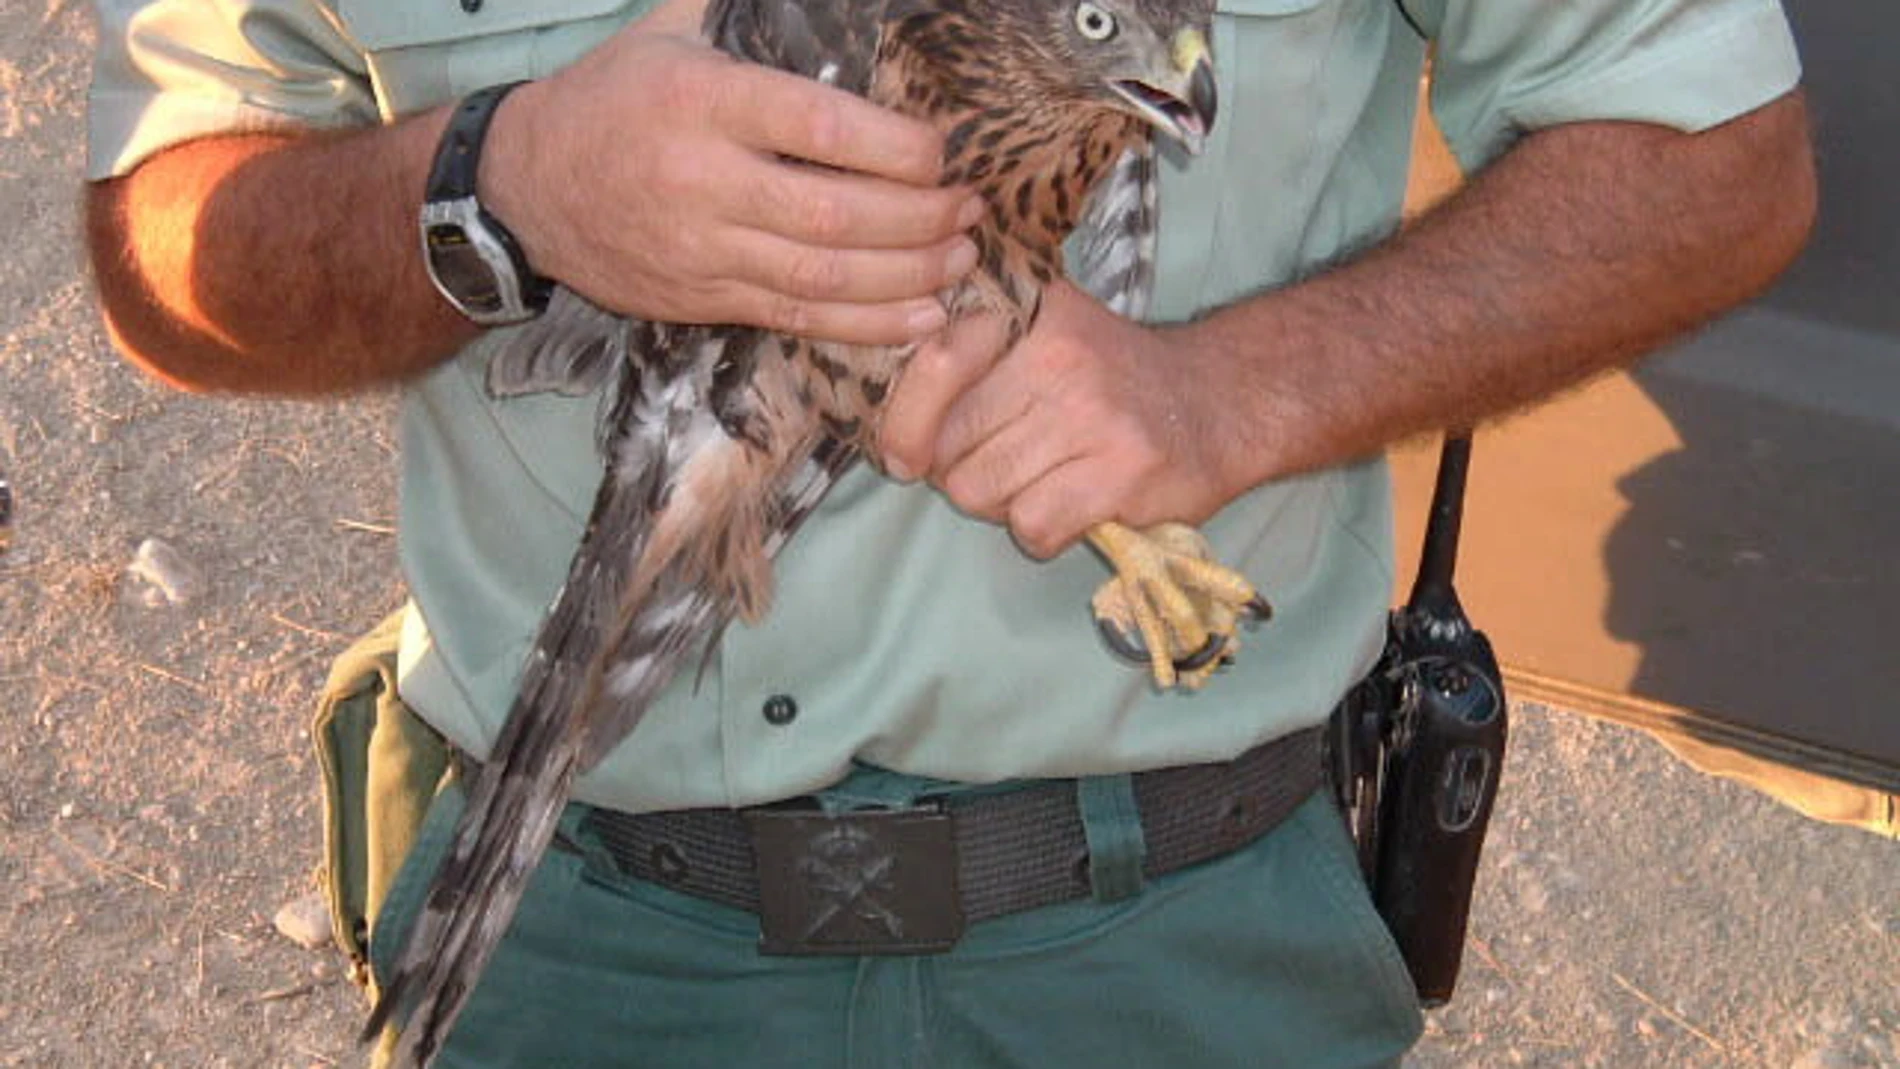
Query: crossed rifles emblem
pixel 845 872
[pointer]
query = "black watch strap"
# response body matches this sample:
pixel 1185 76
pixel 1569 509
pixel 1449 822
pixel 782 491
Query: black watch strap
pixel 460 152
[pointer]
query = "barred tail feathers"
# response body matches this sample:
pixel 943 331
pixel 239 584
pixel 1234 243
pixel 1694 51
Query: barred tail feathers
pixel 512 812
pixel 516 799
pixel 587 684
pixel 562 721
pixel 681 537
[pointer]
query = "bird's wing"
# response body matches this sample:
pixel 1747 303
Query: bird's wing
pixel 833 42
pixel 571 348
pixel 514 801
pixel 1112 256
pixel 693 504
pixel 687 504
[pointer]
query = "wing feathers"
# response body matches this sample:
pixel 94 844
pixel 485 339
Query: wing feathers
pixel 569 349
pixel 515 802
pixel 679 540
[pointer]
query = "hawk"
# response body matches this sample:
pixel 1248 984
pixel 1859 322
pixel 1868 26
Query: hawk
pixel 719 441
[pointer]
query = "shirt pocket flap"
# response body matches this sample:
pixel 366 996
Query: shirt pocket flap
pixel 377 25
pixel 1266 8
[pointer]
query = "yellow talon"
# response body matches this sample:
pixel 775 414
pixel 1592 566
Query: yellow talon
pixel 1185 607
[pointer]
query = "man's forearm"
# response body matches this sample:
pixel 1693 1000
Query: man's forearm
pixel 654 176
pixel 270 264
pixel 1582 248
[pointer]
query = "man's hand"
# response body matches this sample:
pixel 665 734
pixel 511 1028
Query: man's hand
pixel 1089 418
pixel 658 178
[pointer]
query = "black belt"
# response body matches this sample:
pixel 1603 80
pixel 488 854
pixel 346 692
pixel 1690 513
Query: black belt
pixel 908 880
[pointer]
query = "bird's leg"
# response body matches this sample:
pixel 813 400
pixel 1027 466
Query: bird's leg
pixel 1170 603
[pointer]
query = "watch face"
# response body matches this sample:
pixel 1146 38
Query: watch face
pixel 461 270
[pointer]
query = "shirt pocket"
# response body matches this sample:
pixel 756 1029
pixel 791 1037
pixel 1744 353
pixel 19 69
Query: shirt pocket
pixel 421 55
pixel 1271 56
pixel 1232 218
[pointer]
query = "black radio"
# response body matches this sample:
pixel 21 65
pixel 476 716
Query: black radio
pixel 1416 753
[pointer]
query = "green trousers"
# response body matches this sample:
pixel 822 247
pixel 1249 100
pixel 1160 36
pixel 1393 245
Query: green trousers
pixel 1269 957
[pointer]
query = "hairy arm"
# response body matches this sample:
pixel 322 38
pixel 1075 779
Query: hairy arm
pixel 1581 250
pixel 1584 247
pixel 653 176
pixel 274 264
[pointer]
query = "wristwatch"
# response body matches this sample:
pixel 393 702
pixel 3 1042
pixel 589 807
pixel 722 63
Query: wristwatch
pixel 473 259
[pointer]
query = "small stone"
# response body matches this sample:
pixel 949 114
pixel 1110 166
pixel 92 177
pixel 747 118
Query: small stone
pixel 6 514
pixel 1534 898
pixel 1825 1058
pixel 305 921
pixel 66 811
pixel 171 576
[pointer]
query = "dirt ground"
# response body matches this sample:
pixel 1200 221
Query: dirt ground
pixel 158 802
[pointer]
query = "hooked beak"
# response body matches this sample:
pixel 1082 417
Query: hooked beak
pixel 1181 102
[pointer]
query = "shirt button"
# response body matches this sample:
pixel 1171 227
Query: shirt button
pixel 780 710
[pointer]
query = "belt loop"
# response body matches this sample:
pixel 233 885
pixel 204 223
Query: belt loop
pixel 574 831
pixel 1112 825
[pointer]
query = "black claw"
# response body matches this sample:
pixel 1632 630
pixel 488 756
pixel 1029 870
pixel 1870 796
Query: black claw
pixel 1121 644
pixel 1129 648
pixel 1206 655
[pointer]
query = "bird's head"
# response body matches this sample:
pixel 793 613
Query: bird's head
pixel 1148 58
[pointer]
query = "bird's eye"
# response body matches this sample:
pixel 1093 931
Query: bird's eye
pixel 1095 24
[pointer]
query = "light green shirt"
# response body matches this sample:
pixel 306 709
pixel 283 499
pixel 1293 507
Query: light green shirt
pixel 911 637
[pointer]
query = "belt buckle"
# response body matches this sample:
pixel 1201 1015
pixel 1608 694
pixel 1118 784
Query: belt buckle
pixel 877 881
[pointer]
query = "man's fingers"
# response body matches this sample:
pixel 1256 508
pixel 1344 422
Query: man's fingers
pixel 858 275
pixel 942 369
pixel 1060 507
pixel 847 211
pixel 981 412
pixel 888 323
pixel 795 116
pixel 985 482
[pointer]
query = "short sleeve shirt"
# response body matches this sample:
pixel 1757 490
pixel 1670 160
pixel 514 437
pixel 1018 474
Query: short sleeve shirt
pixel 906 635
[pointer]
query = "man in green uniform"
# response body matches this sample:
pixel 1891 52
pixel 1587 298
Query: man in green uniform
pixel 1639 165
